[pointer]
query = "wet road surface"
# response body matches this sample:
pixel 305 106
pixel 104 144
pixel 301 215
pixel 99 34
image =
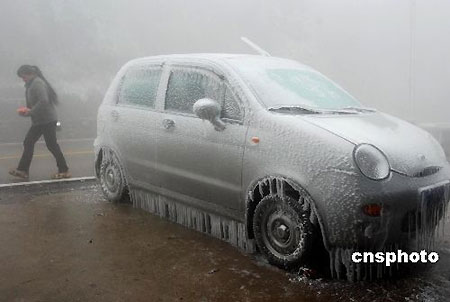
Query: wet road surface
pixel 79 155
pixel 69 244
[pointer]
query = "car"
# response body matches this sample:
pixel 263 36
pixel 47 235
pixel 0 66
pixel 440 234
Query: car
pixel 269 155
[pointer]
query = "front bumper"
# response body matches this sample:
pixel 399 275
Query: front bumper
pixel 410 211
pixel 406 217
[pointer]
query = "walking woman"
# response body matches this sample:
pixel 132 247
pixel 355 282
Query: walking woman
pixel 41 101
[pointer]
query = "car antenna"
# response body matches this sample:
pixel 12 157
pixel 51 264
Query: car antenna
pixel 255 47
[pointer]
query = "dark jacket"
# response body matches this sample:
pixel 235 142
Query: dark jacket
pixel 38 100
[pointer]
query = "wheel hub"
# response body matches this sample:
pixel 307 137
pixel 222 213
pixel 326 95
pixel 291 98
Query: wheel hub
pixel 279 230
pixel 282 231
pixel 111 178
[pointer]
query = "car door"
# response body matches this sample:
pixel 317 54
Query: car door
pixel 194 160
pixel 133 120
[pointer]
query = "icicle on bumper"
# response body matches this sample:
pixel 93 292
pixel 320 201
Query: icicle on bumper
pixel 423 226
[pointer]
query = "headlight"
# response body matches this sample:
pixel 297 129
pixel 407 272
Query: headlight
pixel 371 161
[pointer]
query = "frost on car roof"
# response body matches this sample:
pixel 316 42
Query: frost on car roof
pixel 265 61
pixel 194 57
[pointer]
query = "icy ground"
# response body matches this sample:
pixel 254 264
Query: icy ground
pixel 69 244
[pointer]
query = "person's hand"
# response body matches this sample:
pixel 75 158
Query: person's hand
pixel 23 111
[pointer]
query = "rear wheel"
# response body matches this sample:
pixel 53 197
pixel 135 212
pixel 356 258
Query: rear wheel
pixel 283 231
pixel 112 179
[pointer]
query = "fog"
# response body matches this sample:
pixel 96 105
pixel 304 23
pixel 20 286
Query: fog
pixel 391 55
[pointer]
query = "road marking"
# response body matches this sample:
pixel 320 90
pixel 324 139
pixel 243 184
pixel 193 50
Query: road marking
pixel 49 154
pixel 42 182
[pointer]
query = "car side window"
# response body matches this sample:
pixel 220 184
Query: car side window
pixel 186 86
pixel 140 86
pixel 230 106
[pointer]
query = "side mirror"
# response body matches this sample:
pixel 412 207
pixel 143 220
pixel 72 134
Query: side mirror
pixel 208 109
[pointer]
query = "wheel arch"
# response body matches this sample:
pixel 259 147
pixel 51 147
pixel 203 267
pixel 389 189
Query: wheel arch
pixel 279 186
pixel 109 151
pixel 98 161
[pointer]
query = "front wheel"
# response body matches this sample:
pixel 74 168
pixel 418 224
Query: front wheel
pixel 283 231
pixel 112 180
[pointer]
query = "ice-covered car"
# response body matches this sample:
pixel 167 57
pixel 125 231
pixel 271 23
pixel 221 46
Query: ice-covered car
pixel 255 149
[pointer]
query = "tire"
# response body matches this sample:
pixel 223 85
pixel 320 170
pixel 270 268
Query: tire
pixel 283 231
pixel 112 179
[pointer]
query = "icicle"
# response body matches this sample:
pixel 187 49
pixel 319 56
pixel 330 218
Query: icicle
pixel 225 229
pixel 332 260
pixel 358 271
pixel 270 184
pixel 430 217
pixel 306 204
pixel 281 190
pixel 337 262
pixel 251 195
pixel 260 187
pixel 313 218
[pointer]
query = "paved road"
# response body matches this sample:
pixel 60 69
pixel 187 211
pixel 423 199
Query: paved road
pixel 71 245
pixel 78 152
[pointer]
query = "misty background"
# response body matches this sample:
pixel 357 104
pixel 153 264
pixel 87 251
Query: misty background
pixel 391 55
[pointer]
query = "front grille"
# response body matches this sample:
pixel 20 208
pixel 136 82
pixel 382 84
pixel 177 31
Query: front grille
pixel 427 171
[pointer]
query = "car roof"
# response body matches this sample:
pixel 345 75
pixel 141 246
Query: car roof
pixel 206 56
pixel 209 57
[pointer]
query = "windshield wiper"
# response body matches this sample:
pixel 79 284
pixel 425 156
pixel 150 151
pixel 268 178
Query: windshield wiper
pixel 306 110
pixel 295 109
pixel 358 109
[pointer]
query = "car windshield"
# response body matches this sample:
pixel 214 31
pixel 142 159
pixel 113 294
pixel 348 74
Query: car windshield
pixel 285 83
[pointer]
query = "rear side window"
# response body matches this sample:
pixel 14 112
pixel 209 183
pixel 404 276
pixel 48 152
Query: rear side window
pixel 188 86
pixel 140 86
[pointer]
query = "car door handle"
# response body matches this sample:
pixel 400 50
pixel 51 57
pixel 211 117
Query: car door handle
pixel 115 115
pixel 167 123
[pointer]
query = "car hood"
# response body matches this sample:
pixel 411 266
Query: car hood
pixel 409 149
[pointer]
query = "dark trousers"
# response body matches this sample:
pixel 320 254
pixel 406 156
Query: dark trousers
pixel 35 132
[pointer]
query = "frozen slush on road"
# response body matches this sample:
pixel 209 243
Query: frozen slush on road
pixel 254 149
